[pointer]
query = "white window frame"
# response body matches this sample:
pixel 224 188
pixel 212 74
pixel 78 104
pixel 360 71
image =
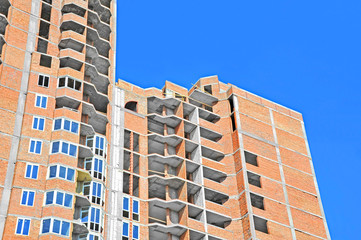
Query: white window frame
pixel 32 125
pixel 51 226
pixel 66 83
pixel 54 199
pixel 61 147
pixel 44 76
pixel 91 196
pixel 124 236
pixel 27 198
pixel 22 229
pixel 123 209
pixel 92 167
pixel 31 171
pixel 136 200
pixel 42 96
pixel 58 172
pixel 36 141
pixel 62 125
pixel 133 231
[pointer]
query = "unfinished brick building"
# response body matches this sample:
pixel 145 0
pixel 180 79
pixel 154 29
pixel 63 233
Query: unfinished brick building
pixel 86 158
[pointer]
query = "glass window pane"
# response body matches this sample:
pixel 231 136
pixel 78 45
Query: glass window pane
pixel 60 198
pixel 92 215
pixel 24 197
pixel 46 226
pixel 84 215
pixel 70 175
pixel 46 81
pixel 32 146
pixel 56 226
pixel 38 98
pixel 125 229
pixel 68 200
pixel 126 203
pixel 43 102
pixel 41 80
pixel 52 173
pixel 20 226
pixel 74 127
pixel 41 124
pixel 65 228
pixel 31 199
pixel 57 124
pixel 72 150
pixel 94 189
pixel 135 206
pixel 49 198
pixel 97 216
pixel 65 148
pixel 55 147
pixel 26 227
pixel 28 171
pixel 70 83
pixel 62 172
pixel 34 174
pixel 66 124
pixel 35 123
pixel 38 147
pixel 61 82
pixel 77 85
pixel 135 232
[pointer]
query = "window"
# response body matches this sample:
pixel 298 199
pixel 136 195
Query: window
pixel 27 198
pixel 31 171
pixel 260 224
pixel 38 123
pixel 94 191
pixel 66 124
pixel 92 218
pixel 251 158
pixel 45 61
pixel 23 226
pixel 135 210
pixel 254 179
pixel 64 148
pixel 99 147
pixel 43 81
pixel 125 232
pixel 41 101
pixel 97 193
pixel 257 201
pixel 35 146
pixel 126 207
pixel 96 167
pixel 59 198
pixel 62 172
pixel 51 225
pixel 69 83
pixel 131 106
pixel 135 232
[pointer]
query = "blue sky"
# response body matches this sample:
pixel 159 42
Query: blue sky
pixel 305 55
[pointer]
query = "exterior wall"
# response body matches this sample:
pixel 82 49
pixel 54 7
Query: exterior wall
pixel 272 133
pixel 80 43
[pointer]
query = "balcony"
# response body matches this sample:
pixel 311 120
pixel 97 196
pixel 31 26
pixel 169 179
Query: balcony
pixel 101 63
pixel 102 10
pixel 93 40
pixel 94 118
pixel 203 97
pixel 99 80
pixel 156 104
pixel 77 7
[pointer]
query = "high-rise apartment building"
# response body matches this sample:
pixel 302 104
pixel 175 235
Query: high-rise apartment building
pixel 85 158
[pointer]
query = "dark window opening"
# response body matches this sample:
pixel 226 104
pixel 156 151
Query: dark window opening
pixel 126 178
pixel 43 81
pixel 48 1
pixel 233 122
pixel 44 29
pixel 46 12
pixel 208 89
pixel 251 158
pixel 231 105
pixel 254 179
pixel 62 82
pixel 131 106
pixel 45 61
pixel 257 201
pixel 260 224
pixel 42 46
pixel 135 142
pixel 135 186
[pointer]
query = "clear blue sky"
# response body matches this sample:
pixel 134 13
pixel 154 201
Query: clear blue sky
pixel 305 55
